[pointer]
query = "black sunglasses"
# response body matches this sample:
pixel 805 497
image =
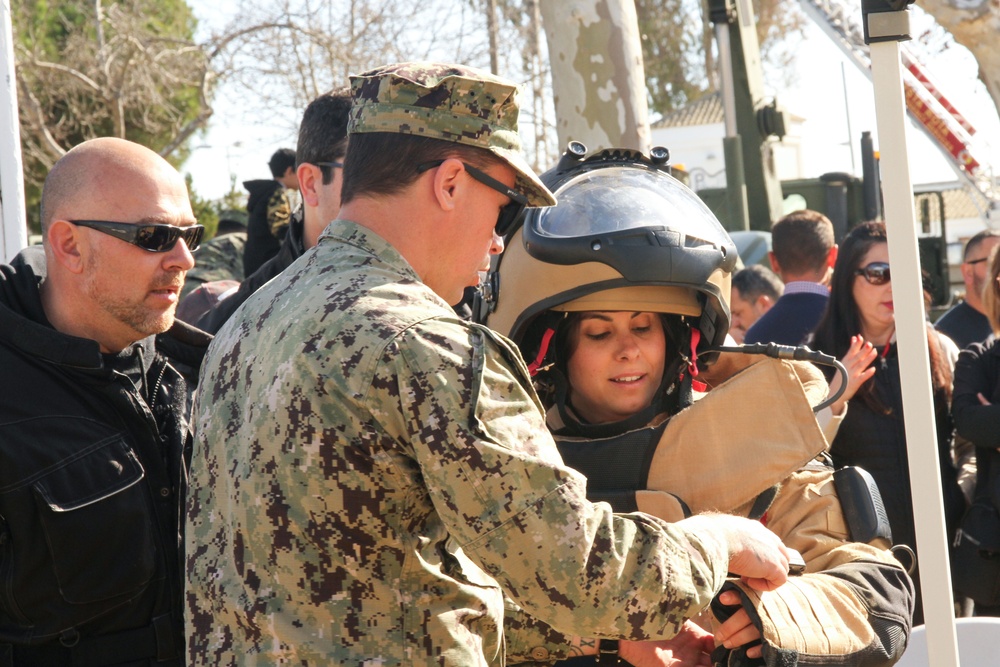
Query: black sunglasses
pixel 876 273
pixel 324 166
pixel 509 213
pixel 152 237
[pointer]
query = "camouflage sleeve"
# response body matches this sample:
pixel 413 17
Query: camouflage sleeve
pixel 279 212
pixel 496 480
pixel 853 604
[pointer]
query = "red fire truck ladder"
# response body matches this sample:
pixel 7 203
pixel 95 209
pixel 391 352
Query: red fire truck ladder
pixel 947 128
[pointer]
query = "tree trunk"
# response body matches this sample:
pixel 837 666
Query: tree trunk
pixel 598 82
pixel 975 24
pixel 491 29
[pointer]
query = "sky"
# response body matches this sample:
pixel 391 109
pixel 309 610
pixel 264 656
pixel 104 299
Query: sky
pixel 235 148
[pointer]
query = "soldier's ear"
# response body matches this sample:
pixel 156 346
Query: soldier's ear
pixel 446 181
pixel 310 178
pixel 66 245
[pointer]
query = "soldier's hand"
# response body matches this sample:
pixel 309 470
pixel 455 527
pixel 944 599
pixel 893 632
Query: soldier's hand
pixel 756 555
pixel 738 630
pixel 692 646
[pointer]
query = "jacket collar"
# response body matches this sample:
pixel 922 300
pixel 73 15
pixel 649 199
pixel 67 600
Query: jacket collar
pixel 23 323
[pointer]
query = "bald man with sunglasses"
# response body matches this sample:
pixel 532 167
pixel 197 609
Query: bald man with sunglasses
pixel 94 421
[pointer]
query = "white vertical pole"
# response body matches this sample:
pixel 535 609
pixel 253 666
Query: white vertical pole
pixel 914 363
pixel 13 223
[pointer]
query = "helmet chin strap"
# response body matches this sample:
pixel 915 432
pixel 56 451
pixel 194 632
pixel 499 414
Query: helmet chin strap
pixel 543 349
pixel 693 365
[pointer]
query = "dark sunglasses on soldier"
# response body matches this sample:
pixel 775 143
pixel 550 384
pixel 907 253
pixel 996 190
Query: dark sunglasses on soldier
pixel 509 213
pixel 152 237
pixel 876 273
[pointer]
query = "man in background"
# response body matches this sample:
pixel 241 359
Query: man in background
pixel 803 253
pixel 269 210
pixel 93 422
pixel 322 144
pixel 965 322
pixel 754 290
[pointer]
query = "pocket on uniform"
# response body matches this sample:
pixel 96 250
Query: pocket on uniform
pixel 97 524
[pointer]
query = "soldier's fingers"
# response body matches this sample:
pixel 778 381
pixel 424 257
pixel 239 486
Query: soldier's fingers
pixel 733 625
pixel 741 631
pixel 729 598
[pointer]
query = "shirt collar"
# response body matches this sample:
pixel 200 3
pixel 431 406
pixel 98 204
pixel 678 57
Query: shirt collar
pixel 806 287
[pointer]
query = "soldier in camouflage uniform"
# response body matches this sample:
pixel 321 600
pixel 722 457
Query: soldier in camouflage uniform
pixel 220 257
pixel 372 474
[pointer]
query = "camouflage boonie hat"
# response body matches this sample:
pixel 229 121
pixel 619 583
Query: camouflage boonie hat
pixel 447 102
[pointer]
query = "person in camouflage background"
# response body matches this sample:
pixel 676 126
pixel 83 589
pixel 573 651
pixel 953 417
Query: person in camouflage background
pixel 371 474
pixel 220 257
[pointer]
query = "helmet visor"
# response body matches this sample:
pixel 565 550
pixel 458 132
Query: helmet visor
pixel 615 199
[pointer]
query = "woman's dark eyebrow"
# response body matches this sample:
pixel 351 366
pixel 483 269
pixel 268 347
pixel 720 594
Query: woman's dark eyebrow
pixel 599 315
pixel 595 316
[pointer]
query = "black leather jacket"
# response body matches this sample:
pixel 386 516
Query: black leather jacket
pixel 91 486
pixel 977 371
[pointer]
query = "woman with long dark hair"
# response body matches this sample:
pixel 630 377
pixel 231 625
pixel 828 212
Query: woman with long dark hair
pixel 871 435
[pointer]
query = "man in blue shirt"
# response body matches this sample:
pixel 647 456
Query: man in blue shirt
pixel 803 253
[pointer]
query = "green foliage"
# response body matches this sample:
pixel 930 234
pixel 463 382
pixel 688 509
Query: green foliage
pixel 132 71
pixel 672 52
pixel 206 212
pixel 674 36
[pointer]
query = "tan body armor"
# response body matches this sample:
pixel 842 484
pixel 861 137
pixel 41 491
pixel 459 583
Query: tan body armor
pixel 749 447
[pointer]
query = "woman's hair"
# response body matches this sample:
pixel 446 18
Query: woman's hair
pixel 991 292
pixel 842 319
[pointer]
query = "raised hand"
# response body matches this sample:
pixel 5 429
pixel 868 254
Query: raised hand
pixel 858 362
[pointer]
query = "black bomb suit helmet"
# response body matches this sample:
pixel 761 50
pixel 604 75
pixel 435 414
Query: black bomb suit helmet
pixel 625 235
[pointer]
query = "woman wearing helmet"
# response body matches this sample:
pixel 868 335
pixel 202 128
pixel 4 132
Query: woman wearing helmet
pixel 617 297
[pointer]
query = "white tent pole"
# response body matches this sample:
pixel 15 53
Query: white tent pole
pixel 914 362
pixel 13 223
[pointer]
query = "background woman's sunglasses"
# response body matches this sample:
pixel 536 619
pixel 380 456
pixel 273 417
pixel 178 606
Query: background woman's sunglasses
pixel 151 237
pixel 876 273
